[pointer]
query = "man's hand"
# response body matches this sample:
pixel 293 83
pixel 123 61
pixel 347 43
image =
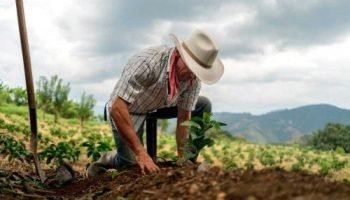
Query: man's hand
pixel 146 162
pixel 121 116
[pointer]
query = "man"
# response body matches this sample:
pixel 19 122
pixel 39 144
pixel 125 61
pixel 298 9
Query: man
pixel 159 82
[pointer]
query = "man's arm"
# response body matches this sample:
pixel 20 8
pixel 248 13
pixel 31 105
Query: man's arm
pixel 121 116
pixel 181 131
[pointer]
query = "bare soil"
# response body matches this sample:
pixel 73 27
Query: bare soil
pixel 188 182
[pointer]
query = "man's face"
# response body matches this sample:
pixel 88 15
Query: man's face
pixel 183 72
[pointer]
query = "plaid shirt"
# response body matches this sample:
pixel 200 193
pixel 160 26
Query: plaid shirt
pixel 144 84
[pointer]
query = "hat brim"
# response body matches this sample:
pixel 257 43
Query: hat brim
pixel 206 75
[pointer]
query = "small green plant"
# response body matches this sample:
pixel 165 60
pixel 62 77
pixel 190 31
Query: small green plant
pixel 199 134
pixel 267 159
pixel 207 158
pixel 230 165
pixel 325 166
pixel 58 153
pixel 249 165
pixel 57 131
pixel 296 167
pixel 337 164
pixel 9 146
pixel 2 123
pixel 95 149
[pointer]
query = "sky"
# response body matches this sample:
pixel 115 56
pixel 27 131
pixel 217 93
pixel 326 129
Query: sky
pixel 277 54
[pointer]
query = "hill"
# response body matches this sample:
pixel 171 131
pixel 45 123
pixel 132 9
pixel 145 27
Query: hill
pixel 283 125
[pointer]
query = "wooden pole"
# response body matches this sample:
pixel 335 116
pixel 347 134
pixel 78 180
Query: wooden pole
pixel 30 87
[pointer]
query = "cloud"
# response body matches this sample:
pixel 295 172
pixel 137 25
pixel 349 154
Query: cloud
pixel 276 53
pixel 288 24
pixel 279 79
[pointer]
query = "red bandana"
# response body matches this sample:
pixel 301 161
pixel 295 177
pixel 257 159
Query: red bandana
pixel 173 79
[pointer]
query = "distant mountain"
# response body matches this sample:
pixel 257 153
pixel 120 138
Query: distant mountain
pixel 283 125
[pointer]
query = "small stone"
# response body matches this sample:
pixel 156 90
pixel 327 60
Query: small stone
pixel 203 167
pixel 170 173
pixel 214 183
pixel 221 196
pixel 193 188
pixel 251 198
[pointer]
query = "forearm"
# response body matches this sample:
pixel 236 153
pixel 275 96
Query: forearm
pixel 182 133
pixel 121 117
pixel 181 136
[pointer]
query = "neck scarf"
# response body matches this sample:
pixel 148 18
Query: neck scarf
pixel 173 78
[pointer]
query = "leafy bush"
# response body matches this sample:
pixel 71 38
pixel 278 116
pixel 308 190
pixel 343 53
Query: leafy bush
pixel 57 131
pixel 95 149
pixel 266 158
pixel 332 137
pixel 9 146
pixel 59 152
pixel 4 93
pixel 18 96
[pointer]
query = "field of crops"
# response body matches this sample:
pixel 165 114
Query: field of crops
pixel 67 141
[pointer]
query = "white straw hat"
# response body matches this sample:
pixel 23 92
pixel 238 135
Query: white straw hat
pixel 200 53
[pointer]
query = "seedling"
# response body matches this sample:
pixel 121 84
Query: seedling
pixel 200 136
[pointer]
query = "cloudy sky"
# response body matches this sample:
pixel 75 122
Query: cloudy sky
pixel 277 53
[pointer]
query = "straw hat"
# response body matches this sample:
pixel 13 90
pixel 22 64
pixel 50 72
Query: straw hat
pixel 200 53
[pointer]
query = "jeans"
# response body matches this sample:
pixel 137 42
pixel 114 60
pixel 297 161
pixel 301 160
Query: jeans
pixel 125 156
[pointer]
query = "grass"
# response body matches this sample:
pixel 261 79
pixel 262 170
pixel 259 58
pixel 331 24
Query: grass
pixel 10 109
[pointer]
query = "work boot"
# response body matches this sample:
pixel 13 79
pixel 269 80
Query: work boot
pixel 104 163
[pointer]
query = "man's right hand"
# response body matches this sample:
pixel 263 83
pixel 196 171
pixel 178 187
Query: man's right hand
pixel 146 163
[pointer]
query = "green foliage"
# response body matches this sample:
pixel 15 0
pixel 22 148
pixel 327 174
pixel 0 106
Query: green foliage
pixel 10 109
pixel 45 94
pixel 57 131
pixel 18 96
pixel 207 158
pixel 2 123
pixel 58 153
pixel 333 136
pixel 338 164
pixel 70 109
pixel 167 155
pixel 4 93
pixel 340 150
pixel 325 166
pixel 15 128
pixel 85 108
pixel 163 124
pixel 95 149
pixel 296 167
pixel 199 137
pixel 52 94
pixel 267 158
pixel 249 165
pixel 44 140
pixel 14 149
pixel 230 165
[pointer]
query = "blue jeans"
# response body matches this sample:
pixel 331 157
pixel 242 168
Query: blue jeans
pixel 125 156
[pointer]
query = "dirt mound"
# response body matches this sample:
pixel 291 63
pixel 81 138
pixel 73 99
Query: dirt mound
pixel 188 182
pixel 214 183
